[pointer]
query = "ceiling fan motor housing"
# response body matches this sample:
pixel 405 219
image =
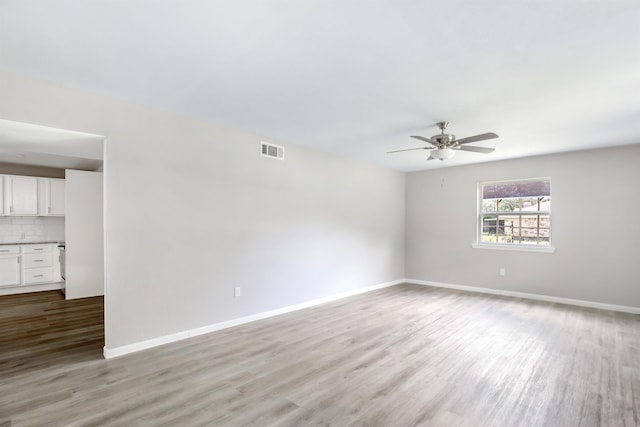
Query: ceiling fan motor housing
pixel 444 139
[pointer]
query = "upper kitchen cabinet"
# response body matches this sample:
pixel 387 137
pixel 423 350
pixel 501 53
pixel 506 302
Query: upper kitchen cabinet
pixel 20 195
pixel 51 197
pixel 29 195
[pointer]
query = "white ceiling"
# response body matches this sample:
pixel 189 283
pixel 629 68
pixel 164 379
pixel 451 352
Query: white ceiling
pixel 355 78
pixel 28 144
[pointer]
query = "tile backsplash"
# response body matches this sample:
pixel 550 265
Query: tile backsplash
pixel 24 229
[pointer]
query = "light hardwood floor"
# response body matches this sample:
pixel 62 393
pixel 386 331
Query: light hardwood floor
pixel 401 356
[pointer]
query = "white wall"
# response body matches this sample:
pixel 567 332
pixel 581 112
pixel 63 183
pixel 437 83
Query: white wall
pixel 192 210
pixel 595 201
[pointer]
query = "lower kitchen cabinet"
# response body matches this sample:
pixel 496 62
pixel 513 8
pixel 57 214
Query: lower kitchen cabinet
pixel 33 264
pixel 37 263
pixel 10 266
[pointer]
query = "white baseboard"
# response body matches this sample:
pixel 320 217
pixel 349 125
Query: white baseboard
pixel 143 345
pixel 23 289
pixel 569 301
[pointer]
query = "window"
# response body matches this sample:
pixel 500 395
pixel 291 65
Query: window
pixel 515 213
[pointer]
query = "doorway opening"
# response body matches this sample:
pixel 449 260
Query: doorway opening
pixel 52 281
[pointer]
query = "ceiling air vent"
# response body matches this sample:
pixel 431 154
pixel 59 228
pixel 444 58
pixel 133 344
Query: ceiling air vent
pixel 270 150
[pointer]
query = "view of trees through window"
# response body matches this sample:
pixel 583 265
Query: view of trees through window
pixel 516 213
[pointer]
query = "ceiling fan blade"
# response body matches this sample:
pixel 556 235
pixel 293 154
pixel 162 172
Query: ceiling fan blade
pixel 484 150
pixel 481 137
pixel 423 138
pixel 410 149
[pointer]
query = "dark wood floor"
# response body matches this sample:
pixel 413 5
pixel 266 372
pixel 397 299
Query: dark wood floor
pixel 402 356
pixel 40 330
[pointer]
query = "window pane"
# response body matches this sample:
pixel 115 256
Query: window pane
pixel 488 225
pixel 544 232
pixel 529 222
pixel 530 204
pixel 488 238
pixel 533 204
pixel 490 229
pixel 543 241
pixel 501 190
pixel 508 205
pixel 517 204
pixel 489 205
pixel 509 222
pixel 505 239
pixel 510 212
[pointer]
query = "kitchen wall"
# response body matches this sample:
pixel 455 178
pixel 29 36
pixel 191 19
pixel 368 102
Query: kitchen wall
pixel 595 201
pixel 25 229
pixel 192 211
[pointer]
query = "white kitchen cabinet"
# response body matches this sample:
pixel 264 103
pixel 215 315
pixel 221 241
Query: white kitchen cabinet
pixel 20 195
pixel 51 197
pixel 23 266
pixel 10 266
pixel 28 195
pixel 84 234
pixel 37 263
pixel 55 197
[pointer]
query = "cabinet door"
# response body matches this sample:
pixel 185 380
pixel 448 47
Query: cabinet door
pixel 10 270
pixel 84 256
pixel 56 197
pixel 23 195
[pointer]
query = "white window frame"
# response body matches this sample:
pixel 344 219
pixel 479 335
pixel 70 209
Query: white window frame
pixel 479 244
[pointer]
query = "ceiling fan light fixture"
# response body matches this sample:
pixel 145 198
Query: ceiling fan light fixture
pixel 442 153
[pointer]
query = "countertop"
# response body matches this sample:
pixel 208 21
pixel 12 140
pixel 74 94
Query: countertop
pixel 33 243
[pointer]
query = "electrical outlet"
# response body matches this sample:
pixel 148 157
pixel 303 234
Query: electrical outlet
pixel 236 291
pixel 502 271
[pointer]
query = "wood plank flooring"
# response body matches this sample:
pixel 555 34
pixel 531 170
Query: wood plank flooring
pixel 41 329
pixel 402 356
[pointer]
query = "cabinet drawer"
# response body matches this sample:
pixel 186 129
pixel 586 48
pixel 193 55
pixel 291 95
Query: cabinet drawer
pixel 37 260
pixel 9 250
pixel 36 249
pixel 37 275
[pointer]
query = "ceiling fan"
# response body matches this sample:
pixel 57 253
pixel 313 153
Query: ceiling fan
pixel 445 145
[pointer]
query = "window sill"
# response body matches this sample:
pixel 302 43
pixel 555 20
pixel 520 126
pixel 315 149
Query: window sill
pixel 498 247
